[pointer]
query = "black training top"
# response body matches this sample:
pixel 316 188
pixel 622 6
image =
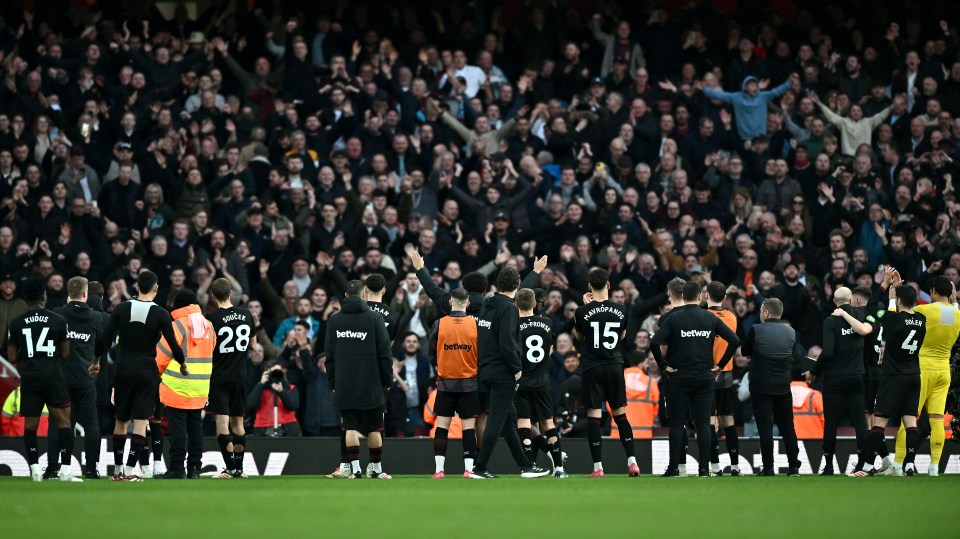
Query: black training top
pixel 689 332
pixel 234 329
pixel 498 339
pixel 138 326
pixel 85 330
pixel 842 354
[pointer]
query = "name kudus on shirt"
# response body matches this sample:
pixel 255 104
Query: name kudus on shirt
pixel 603 309
pixel 352 335
pixel 696 333
pixel 36 318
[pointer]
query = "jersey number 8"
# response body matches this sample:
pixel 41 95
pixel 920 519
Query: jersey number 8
pixel 226 334
pixel 535 351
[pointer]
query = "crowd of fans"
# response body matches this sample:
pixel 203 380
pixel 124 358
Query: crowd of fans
pixel 785 152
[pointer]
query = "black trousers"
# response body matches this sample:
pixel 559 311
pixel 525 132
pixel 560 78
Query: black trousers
pixel 83 410
pixel 843 396
pixel 502 392
pixel 186 438
pixel 775 409
pixel 694 399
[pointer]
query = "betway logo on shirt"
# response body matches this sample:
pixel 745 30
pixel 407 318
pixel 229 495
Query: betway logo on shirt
pixel 457 346
pixel 485 324
pixel 76 336
pixel 352 335
pixel 848 331
pixel 706 334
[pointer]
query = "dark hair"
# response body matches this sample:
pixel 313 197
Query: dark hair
pixel 508 280
pixel 375 283
pixel 526 299
pixel 863 292
pixel 598 279
pixel 184 298
pixel 303 324
pixel 691 291
pixel 716 291
pixel 460 295
pixel 942 286
pixel 540 295
pixel 675 287
pixel 475 282
pixel 907 295
pixel 773 306
pixel 35 290
pixel 146 281
pixel 94 288
pixel 221 289
pixel 354 289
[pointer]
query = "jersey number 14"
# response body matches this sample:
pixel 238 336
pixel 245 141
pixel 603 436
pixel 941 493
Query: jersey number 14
pixel 43 344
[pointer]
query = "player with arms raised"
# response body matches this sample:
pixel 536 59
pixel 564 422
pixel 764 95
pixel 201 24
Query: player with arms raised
pixel 600 325
pixel 234 329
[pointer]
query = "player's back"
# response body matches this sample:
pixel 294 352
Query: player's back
pixel 720 345
pixel 390 318
pixel 137 325
pixel 943 327
pixel 37 334
pixel 905 334
pixel 600 324
pixel 233 327
pixel 536 339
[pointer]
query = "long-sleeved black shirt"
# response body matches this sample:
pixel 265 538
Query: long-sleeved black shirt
pixel 358 356
pixel 138 326
pixel 498 342
pixel 770 346
pixel 689 332
pixel 842 354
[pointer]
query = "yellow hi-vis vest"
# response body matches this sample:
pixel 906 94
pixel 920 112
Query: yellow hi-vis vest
pixel 187 392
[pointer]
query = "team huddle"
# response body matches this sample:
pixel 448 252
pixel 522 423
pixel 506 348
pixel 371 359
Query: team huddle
pixel 489 355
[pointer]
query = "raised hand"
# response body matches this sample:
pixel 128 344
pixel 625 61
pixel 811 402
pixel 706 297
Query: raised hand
pixel 540 264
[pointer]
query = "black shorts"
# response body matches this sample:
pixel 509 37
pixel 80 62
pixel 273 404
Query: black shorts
pixel 136 394
pixel 870 393
pixel 604 384
pixel 227 398
pixel 363 421
pixel 533 404
pixel 898 395
pixel 465 404
pixel 38 390
pixel 723 401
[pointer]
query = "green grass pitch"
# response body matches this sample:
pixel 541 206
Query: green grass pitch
pixel 415 506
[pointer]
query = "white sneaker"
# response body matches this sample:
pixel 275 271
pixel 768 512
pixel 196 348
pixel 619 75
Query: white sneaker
pixel 933 470
pixel 65 476
pixel 36 473
pixel 370 471
pixel 146 472
pixel 159 468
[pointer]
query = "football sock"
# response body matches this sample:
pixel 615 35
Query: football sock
pixel 876 441
pixel 469 448
pixel 937 437
pixel 626 434
pixel 553 449
pixel 527 443
pixel 239 446
pixel 539 444
pixel 156 439
pixel 118 441
pixel 594 437
pixel 913 440
pixel 137 444
pixel 66 445
pixel 229 462
pixel 732 438
pixel 353 456
pixel 344 458
pixel 828 460
pixel 440 448
pixel 714 448
pixel 30 444
pixel 144 455
pixel 376 453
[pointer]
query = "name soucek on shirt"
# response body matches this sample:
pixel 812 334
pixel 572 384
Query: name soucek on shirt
pixel 233 327
pixel 536 339
pixel 37 334
pixel 600 324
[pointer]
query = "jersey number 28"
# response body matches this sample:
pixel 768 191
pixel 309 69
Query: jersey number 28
pixel 226 335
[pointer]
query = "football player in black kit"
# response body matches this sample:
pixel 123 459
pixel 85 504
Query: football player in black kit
pixel 533 401
pixel 234 329
pixel 138 325
pixel 37 343
pixel 689 332
pixel 898 394
pixel 600 325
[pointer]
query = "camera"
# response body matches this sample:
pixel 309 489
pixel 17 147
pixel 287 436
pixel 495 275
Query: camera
pixel 276 376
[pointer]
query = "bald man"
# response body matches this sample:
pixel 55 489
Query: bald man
pixel 841 367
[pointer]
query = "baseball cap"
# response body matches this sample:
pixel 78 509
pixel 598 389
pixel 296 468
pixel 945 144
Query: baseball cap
pixel 124 146
pixel 435 270
pixel 596 81
pixel 501 215
pixel 7 277
pixel 618 229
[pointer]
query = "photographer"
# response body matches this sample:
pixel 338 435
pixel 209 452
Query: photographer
pixel 273 401
pixel 297 355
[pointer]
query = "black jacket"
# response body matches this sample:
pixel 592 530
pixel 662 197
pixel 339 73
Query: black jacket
pixel 359 364
pixel 770 346
pixel 842 354
pixel 498 341
pixel 84 329
pixel 689 331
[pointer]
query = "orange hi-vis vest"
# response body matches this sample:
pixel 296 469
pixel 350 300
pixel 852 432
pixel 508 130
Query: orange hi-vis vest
pixel 947 429
pixel 643 403
pixel 196 337
pixel 807 411
pixel 720 345
pixel 457 348
pixel 430 418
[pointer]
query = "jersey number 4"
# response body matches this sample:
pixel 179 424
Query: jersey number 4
pixel 43 344
pixel 226 336
pixel 611 334
pixel 909 344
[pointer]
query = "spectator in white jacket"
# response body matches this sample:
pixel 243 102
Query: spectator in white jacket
pixel 854 129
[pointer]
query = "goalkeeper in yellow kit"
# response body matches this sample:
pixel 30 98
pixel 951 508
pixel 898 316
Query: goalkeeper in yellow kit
pixel 943 327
